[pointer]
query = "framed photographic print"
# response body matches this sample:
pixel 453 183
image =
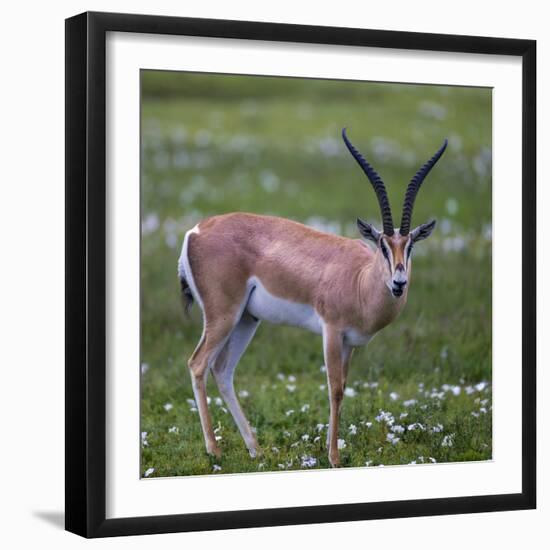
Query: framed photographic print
pixel 248 206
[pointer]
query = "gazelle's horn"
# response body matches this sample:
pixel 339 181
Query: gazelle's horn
pixel 377 183
pixel 412 190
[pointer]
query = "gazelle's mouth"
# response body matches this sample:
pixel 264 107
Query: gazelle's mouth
pixel 398 287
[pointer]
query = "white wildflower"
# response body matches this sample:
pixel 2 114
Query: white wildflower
pixel 431 109
pixel 481 386
pixel 281 376
pixel 305 408
pixel 320 427
pixel 191 402
pixel 173 430
pixel 394 396
pixel 218 401
pixel 323 368
pixel 438 428
pixel 308 461
pixel 216 468
pixel 432 460
pixel 322 387
pixel 341 444
pixel 386 417
pixel 397 429
pixel 403 415
pixel 352 429
pixel 410 402
pixel 275 450
pixel 144 368
pixel 291 378
pixel 291 388
pixel 392 438
pixel 148 472
pixel 415 426
pixel 447 441
pixel 317 438
pixel 243 393
pixel 289 412
pixel 305 437
pixel 150 224
pixel 437 395
pixel 168 406
pixel 475 414
pixel 368 463
pixel 350 392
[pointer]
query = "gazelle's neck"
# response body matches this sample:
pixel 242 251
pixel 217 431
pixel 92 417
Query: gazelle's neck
pixel 379 306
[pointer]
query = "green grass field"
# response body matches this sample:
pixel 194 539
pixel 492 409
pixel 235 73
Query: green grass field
pixel 421 391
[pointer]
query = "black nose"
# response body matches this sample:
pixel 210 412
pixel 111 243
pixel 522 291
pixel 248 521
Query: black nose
pixel 399 284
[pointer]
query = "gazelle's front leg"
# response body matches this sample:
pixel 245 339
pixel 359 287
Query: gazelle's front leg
pixel 337 355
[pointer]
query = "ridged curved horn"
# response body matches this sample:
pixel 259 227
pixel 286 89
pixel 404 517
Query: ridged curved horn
pixel 412 190
pixel 377 184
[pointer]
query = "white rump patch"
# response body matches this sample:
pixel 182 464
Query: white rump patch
pixel 184 268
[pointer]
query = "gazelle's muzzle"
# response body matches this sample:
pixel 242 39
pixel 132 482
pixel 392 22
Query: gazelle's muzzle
pixel 399 280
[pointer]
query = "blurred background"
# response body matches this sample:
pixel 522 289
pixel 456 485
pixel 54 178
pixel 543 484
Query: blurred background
pixel 220 143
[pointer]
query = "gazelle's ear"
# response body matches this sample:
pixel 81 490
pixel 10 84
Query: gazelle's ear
pixel 368 231
pixel 422 231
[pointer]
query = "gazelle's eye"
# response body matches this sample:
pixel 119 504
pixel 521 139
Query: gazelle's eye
pixel 384 250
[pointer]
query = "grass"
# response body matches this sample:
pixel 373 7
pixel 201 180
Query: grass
pixel 214 144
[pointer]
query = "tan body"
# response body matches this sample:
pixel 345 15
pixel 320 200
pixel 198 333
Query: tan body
pixel 244 268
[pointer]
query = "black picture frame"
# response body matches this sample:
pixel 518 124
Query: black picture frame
pixel 86 274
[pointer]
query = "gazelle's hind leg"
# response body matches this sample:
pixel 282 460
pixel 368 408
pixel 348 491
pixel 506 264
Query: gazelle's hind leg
pixel 224 369
pixel 214 337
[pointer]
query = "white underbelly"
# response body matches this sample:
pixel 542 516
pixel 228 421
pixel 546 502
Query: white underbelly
pixel 354 338
pixel 268 307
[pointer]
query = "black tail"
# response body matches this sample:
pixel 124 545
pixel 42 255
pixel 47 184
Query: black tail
pixel 186 296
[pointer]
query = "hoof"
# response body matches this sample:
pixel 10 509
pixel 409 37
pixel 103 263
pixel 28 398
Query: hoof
pixel 334 461
pixel 254 452
pixel 214 450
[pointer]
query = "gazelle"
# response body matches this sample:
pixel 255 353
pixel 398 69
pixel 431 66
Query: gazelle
pixel 244 268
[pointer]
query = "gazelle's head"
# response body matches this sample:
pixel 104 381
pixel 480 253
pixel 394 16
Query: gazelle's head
pixel 395 244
